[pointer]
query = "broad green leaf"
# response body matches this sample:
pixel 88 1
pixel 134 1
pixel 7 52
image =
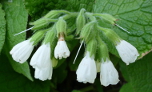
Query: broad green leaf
pixel 39 8
pixel 16 18
pixel 76 5
pixel 138 75
pixel 2 27
pixel 10 81
pixel 135 16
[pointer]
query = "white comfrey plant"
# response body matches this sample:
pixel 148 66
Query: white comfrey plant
pixel 108 73
pixel 41 60
pixel 44 73
pixel 61 49
pixel 41 57
pixel 86 71
pixel 22 51
pixel 57 24
pixel 127 52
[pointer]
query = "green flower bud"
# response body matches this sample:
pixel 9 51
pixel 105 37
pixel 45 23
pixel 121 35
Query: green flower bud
pixel 88 32
pixel 92 46
pixel 111 35
pixel 102 52
pixel 90 16
pixel 41 23
pixel 38 36
pixel 54 62
pixel 55 13
pixel 107 17
pixel 50 35
pixel 80 21
pixel 61 26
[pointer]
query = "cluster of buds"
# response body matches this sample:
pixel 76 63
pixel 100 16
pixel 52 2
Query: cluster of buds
pixel 57 25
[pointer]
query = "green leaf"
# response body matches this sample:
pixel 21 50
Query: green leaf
pixel 76 5
pixel 11 81
pixel 138 75
pixel 135 16
pixel 39 8
pixel 76 91
pixel 16 18
pixel 2 27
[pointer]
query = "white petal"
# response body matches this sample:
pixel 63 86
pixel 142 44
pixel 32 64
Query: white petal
pixel 41 57
pixel 61 50
pixel 44 73
pixel 108 73
pixel 127 52
pixel 86 71
pixel 22 51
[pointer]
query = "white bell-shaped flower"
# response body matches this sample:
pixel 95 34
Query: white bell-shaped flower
pixel 22 51
pixel 41 57
pixel 127 52
pixel 61 49
pixel 87 71
pixel 44 73
pixel 108 73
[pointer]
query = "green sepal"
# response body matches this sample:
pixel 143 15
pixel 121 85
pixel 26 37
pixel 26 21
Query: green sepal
pixel 80 21
pixel 90 16
pixel 69 37
pixel 112 36
pixel 38 36
pixel 50 36
pixel 88 31
pixel 55 13
pixel 42 21
pixel 106 17
pixel 91 47
pixel 102 51
pixel 61 26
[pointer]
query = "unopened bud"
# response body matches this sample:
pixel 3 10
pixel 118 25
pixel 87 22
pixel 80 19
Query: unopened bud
pixel 111 35
pixel 107 17
pixel 61 26
pixel 38 36
pixel 88 31
pixel 102 52
pixel 54 62
pixel 80 21
pixel 50 36
pixel 55 13
pixel 41 23
pixel 92 46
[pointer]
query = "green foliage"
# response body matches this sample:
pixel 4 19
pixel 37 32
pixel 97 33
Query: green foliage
pixel 134 16
pixel 16 18
pixel 138 75
pixel 11 81
pixel 2 27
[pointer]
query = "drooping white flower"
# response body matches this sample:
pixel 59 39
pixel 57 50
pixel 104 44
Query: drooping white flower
pixel 41 57
pixel 108 73
pixel 61 50
pixel 44 73
pixel 22 51
pixel 87 71
pixel 127 52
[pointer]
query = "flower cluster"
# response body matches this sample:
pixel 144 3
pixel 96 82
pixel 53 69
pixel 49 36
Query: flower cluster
pixel 64 25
